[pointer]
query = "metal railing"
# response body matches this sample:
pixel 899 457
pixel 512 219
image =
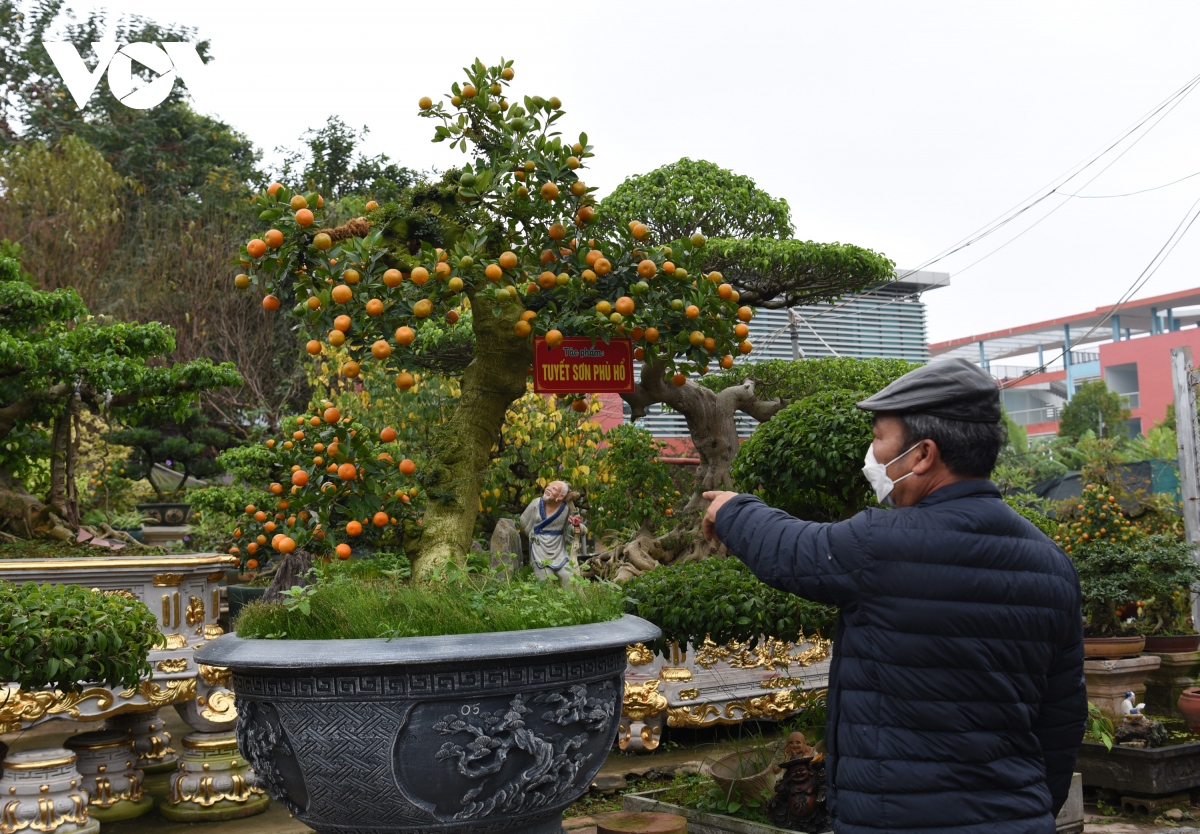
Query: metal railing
pixel 1079 357
pixel 1131 400
pixel 1028 416
pixel 1006 372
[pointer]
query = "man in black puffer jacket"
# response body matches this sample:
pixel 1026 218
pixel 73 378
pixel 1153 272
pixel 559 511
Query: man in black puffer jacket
pixel 956 693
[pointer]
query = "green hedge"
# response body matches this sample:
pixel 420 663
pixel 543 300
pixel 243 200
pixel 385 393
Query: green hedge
pixel 722 599
pixel 64 636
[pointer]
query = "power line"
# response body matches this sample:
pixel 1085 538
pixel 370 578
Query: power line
pixel 1130 193
pixel 1096 176
pixel 1146 274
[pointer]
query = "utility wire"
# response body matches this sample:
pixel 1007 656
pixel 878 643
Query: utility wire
pixel 1146 274
pixel 1130 193
pixel 1167 105
pixel 1114 161
pixel 1024 206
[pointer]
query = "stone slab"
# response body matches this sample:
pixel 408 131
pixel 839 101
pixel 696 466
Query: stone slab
pixel 1109 680
pixel 641 822
pixel 162 533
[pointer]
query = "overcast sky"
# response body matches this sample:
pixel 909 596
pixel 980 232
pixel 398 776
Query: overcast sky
pixel 898 126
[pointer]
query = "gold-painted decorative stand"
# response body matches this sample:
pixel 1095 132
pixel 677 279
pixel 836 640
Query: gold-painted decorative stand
pixel 155 757
pixel 182 591
pixel 718 684
pixel 108 765
pixel 213 782
pixel 41 793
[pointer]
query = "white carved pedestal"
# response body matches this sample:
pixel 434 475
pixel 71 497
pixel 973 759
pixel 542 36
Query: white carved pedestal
pixel 109 768
pixel 182 592
pixel 213 782
pixel 41 791
pixel 156 758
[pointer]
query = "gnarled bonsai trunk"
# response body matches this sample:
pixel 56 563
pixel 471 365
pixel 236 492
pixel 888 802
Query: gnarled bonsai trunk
pixel 494 380
pixel 710 420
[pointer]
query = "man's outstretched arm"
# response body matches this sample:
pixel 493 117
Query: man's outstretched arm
pixel 816 561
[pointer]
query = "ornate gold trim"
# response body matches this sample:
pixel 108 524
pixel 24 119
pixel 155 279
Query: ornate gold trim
pixel 195 611
pixel 174 640
pixel 212 631
pixel 675 673
pixel 206 795
pixel 175 691
pixel 24 707
pixel 44 764
pixel 172 664
pixel 166 610
pixel 689 694
pixel 216 577
pixel 103 797
pixel 642 700
pixel 124 593
pixel 770 653
pixel 197 561
pixel 223 743
pixel 47 819
pixel 168 580
pixel 221 707
pixel 638 654
pixel 214 675
pixel 773 706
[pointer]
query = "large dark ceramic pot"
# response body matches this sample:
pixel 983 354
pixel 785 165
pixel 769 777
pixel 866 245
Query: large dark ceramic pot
pixel 461 734
pixel 239 597
pixel 170 515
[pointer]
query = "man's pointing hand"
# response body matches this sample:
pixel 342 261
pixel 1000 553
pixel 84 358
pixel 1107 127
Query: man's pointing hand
pixel 718 499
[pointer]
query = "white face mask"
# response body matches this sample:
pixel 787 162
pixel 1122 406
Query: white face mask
pixel 877 476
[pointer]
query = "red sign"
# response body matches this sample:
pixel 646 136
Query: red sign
pixel 579 367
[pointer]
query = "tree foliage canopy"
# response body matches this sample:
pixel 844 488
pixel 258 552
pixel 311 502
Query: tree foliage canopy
pixel 169 151
pixel 788 380
pixel 1092 404
pixel 690 196
pixel 807 459
pixel 51 350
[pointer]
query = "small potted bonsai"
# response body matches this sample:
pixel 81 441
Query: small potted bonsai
pixel 460 700
pixel 1136 587
pixel 167 451
pixel 63 636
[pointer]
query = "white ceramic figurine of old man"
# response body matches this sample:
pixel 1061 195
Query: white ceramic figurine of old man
pixel 554 529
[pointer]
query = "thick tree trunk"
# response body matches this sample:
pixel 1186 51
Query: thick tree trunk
pixel 710 420
pixel 494 380
pixel 23 515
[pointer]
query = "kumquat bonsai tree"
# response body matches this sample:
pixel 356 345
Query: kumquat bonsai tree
pixel 504 242
pixel 343 482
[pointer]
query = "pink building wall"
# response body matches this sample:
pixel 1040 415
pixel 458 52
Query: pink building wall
pixel 1153 357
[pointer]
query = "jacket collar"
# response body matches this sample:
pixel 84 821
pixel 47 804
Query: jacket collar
pixel 961 489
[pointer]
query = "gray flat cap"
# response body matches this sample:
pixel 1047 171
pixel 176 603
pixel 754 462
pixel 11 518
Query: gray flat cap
pixel 951 388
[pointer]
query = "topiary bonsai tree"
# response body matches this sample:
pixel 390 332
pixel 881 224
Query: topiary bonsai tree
pixel 186 444
pixel 720 599
pixel 63 636
pixel 55 361
pixel 808 459
pixel 505 239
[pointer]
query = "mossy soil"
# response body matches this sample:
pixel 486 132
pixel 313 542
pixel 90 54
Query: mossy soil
pixel 54 549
